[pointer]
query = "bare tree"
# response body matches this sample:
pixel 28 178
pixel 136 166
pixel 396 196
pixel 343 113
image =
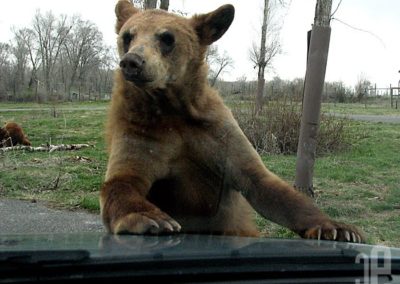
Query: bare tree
pixel 51 32
pixel 362 86
pixel 217 63
pixel 211 54
pixel 263 54
pixel 20 53
pixel 261 62
pixel 28 37
pixel 4 68
pixel 151 4
pixel 164 5
pixel 4 54
pixel 272 49
pixel 103 78
pixel 82 48
pixel 58 55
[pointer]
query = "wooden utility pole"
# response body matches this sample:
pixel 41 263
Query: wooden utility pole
pixel 313 88
pixel 261 60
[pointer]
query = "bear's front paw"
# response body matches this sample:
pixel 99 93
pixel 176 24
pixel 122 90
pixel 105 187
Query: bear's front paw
pixel 152 222
pixel 334 231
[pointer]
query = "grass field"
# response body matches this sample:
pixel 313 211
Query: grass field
pixel 360 186
pixel 359 108
pixel 70 179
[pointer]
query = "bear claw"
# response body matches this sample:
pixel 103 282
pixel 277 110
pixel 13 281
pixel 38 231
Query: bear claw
pixel 334 232
pixel 145 223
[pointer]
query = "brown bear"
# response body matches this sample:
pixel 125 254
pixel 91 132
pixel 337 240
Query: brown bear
pixel 3 137
pixel 178 161
pixel 12 134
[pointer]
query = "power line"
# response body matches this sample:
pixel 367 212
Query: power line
pixel 337 8
pixel 361 30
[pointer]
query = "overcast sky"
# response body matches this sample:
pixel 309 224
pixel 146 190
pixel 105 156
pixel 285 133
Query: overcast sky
pixel 374 55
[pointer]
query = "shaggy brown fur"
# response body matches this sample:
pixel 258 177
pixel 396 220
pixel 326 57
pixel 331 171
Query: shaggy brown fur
pixel 178 160
pixel 12 134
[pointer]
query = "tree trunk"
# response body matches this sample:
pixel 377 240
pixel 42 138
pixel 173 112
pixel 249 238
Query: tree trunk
pixel 164 5
pixel 323 13
pixel 150 4
pixel 313 88
pixel 261 61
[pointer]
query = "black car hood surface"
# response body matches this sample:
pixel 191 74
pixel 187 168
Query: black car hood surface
pixel 180 257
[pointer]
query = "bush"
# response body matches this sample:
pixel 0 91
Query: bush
pixel 276 130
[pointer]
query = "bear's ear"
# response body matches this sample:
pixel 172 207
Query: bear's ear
pixel 212 26
pixel 123 10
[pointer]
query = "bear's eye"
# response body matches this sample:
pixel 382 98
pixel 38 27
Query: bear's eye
pixel 127 38
pixel 167 42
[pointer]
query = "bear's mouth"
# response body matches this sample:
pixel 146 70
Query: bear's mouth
pixel 137 78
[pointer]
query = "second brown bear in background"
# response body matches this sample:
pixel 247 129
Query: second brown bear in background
pixel 12 134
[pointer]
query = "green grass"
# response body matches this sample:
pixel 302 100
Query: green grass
pixel 360 186
pixel 70 178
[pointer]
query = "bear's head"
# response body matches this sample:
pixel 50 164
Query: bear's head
pixel 158 49
pixel 3 134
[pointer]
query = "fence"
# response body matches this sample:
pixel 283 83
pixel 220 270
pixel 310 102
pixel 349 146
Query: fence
pixel 394 98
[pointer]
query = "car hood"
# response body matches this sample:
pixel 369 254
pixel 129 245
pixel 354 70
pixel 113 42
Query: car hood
pixel 99 255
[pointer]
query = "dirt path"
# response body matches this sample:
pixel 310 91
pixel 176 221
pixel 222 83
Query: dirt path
pixel 362 117
pixel 372 118
pixel 19 216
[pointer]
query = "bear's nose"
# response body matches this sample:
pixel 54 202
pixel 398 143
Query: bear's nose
pixel 132 64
